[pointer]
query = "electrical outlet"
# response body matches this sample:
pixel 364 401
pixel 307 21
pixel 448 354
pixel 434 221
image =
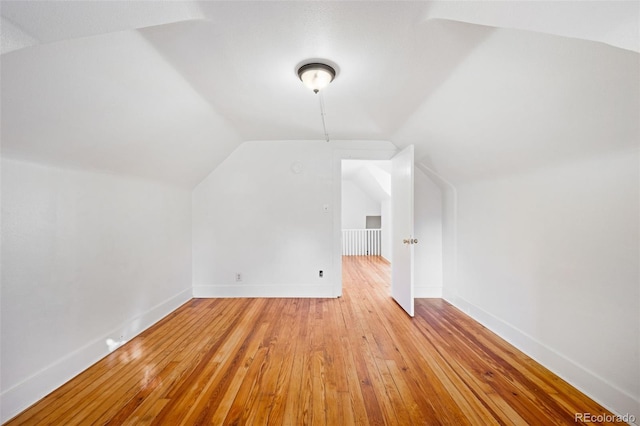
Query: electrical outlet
pixel 238 277
pixel 321 274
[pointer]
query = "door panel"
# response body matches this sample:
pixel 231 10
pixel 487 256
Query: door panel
pixel 402 229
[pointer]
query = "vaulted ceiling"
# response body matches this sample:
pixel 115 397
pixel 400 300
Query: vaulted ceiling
pixel 166 90
pixel 370 176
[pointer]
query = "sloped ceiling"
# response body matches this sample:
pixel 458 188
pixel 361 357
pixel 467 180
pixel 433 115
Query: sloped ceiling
pixel 166 90
pixel 371 177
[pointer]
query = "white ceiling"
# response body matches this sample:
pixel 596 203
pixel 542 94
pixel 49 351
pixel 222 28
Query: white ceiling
pixel 373 177
pixel 166 90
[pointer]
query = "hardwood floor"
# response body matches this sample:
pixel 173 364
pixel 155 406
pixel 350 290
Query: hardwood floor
pixel 358 359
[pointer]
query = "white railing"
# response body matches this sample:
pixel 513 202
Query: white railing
pixel 361 242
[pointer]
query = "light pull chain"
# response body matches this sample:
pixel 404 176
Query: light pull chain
pixel 322 114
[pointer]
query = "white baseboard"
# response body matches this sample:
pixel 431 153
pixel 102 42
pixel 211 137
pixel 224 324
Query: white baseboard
pixel 297 290
pixel 427 292
pixel 19 397
pixel 595 387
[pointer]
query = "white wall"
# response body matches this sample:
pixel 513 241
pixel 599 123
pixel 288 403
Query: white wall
pixel 449 241
pixel 255 216
pixel 385 208
pixel 549 260
pixel 85 257
pixel 427 219
pixel 356 205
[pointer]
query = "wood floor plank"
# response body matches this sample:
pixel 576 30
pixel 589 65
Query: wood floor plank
pixel 354 360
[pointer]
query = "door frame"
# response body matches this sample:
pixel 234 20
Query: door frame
pixel 338 156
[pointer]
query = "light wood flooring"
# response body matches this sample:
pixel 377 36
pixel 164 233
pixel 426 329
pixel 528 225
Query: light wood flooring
pixel 358 359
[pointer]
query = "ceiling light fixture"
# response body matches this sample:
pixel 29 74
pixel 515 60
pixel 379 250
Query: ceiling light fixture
pixel 316 76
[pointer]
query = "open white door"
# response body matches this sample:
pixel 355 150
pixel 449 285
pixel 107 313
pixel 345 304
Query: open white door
pixel 402 229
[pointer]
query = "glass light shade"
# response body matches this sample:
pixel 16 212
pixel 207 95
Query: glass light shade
pixel 316 76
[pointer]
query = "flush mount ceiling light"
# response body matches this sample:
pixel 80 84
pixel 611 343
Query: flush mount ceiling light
pixel 316 76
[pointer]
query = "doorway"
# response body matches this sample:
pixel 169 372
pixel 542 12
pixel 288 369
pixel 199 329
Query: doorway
pixel 378 180
pixel 366 208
